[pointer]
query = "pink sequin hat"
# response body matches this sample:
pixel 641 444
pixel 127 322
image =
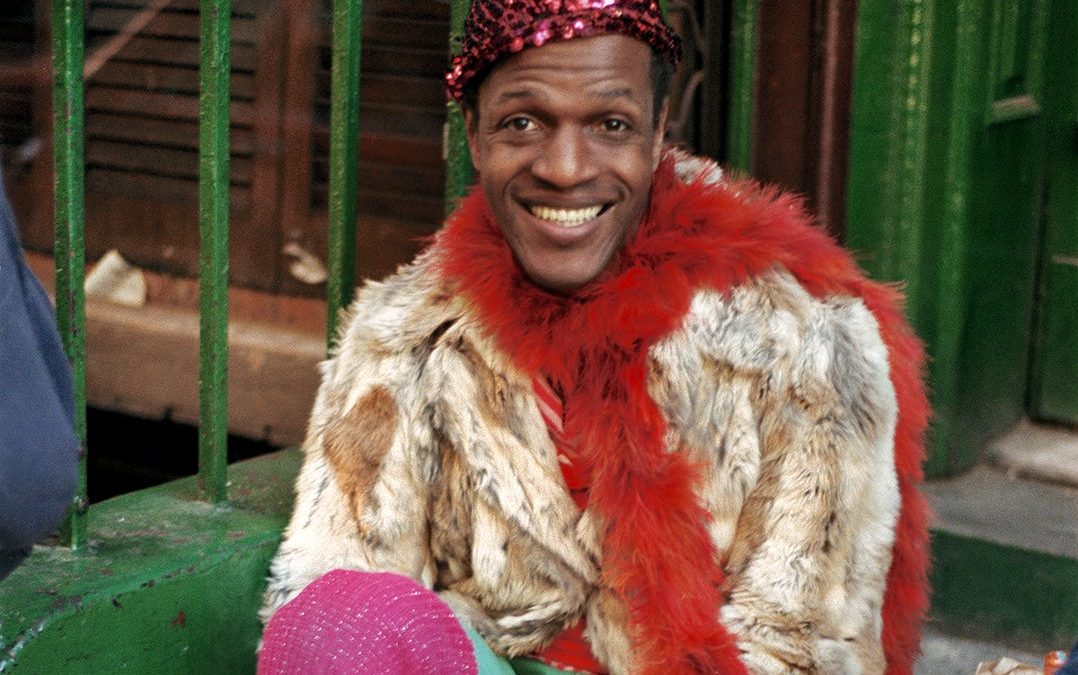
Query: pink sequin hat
pixel 495 29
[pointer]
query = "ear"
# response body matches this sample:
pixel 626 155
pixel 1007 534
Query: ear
pixel 471 131
pixel 660 134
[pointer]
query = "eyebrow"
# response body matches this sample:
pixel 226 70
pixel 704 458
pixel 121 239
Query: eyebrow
pixel 515 94
pixel 616 93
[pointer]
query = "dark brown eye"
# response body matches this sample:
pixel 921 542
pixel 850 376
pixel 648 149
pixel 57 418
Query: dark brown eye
pixel 519 124
pixel 615 126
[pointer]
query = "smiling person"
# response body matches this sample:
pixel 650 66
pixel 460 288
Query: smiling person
pixel 626 414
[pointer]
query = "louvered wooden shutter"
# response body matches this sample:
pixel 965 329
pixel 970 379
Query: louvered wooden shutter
pixel 401 171
pixel 142 105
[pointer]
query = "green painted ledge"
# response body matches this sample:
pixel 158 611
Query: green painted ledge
pixel 988 590
pixel 166 583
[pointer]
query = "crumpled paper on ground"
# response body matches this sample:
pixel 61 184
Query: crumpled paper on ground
pixel 1006 666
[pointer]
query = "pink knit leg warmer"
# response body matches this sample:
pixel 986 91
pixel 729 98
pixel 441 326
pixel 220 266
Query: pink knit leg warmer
pixel 362 622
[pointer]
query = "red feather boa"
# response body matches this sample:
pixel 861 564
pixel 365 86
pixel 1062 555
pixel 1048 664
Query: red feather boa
pixel 658 556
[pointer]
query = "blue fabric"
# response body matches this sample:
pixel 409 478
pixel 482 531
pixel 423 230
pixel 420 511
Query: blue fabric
pixel 491 664
pixel 38 445
pixel 1071 666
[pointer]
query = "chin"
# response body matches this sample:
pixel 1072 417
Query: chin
pixel 564 275
pixel 562 284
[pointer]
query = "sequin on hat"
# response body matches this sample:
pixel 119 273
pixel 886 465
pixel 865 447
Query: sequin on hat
pixel 495 29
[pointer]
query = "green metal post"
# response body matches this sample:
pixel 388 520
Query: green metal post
pixel 458 167
pixel 742 83
pixel 343 158
pixel 215 20
pixel 67 59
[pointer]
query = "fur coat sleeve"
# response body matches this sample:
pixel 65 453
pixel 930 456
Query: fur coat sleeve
pixel 787 399
pixel 427 456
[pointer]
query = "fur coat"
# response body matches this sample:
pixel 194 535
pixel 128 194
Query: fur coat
pixel 750 410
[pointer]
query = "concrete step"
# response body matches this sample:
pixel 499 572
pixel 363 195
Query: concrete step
pixel 943 654
pixel 1005 565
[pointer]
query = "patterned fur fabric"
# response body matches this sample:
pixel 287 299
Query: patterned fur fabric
pixel 747 406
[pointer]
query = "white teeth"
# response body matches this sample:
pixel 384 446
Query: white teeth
pixel 566 217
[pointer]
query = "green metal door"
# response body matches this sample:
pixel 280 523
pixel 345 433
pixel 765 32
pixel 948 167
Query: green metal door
pixel 1002 242
pixel 948 163
pixel 1054 381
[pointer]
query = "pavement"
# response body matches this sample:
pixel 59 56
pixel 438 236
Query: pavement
pixel 949 655
pixel 1025 496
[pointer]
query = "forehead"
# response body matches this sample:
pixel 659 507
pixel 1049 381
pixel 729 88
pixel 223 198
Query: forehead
pixel 595 66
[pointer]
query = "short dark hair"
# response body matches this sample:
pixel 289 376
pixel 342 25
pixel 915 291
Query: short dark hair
pixel 661 73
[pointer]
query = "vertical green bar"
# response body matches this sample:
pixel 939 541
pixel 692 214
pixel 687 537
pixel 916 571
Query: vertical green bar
pixel 343 159
pixel 67 59
pixel 742 83
pixel 458 169
pixel 213 208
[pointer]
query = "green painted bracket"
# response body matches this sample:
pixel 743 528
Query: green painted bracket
pixel 165 584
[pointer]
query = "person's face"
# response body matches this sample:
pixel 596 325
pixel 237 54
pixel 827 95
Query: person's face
pixel 565 147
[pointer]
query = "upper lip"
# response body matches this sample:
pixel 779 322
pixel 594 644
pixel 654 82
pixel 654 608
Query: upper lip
pixel 565 204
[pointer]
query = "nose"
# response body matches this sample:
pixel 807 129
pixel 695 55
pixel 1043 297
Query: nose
pixel 567 160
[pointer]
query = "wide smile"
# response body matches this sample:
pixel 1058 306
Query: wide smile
pixel 567 218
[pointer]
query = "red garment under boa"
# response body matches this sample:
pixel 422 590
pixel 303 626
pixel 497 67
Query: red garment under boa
pixel 658 557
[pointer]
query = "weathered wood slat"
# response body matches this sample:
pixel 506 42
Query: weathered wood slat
pixel 408 33
pixel 157 160
pixel 430 10
pixel 111 99
pixel 394 120
pixel 171 133
pixel 403 150
pixel 165 24
pixel 402 61
pixel 240 8
pixel 414 208
pixel 169 79
pixel 163 188
pixel 389 178
pixel 399 150
pixel 392 89
pixel 179 52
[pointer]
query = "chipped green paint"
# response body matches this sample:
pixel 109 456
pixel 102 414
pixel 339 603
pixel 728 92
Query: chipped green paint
pixel 166 583
pixel 70 251
pixel 343 159
pixel 213 208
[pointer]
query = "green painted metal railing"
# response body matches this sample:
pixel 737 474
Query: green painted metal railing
pixel 68 45
pixel 213 191
pixel 67 58
pixel 343 158
pixel 214 127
